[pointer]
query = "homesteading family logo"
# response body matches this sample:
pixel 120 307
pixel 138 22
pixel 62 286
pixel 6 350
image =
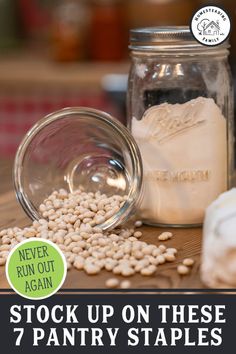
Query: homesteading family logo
pixel 210 25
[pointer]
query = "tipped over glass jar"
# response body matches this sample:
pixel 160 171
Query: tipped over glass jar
pixel 78 147
pixel 180 111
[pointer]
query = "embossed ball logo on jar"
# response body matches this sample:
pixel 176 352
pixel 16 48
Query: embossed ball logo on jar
pixel 210 25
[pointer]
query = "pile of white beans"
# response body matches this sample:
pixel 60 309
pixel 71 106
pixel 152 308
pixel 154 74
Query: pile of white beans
pixel 70 220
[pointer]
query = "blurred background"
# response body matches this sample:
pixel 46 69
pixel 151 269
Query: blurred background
pixel 61 53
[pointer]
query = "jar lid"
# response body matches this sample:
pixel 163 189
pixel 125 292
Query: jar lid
pixel 168 37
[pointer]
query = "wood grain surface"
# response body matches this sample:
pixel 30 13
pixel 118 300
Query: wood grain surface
pixel 187 241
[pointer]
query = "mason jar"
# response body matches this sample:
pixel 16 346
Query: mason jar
pixel 76 148
pixel 180 112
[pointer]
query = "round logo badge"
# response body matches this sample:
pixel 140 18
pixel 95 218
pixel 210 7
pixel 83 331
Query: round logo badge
pixel 210 25
pixel 36 268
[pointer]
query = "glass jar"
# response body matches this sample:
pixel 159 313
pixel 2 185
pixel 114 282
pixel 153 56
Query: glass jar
pixel 69 29
pixel 104 44
pixel 77 147
pixel 180 111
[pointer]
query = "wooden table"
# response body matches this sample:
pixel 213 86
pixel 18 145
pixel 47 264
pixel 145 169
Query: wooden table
pixel 187 241
pixel 26 70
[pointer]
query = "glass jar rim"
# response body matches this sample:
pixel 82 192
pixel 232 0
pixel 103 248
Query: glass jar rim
pixel 116 126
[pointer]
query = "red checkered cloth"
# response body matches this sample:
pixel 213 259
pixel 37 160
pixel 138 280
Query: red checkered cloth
pixel 18 112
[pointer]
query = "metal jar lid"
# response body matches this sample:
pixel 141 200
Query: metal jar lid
pixel 166 38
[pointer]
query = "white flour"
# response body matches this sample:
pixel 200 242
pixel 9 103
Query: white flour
pixel 184 152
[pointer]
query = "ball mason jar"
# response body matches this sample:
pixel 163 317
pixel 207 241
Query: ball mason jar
pixel 180 112
pixel 77 147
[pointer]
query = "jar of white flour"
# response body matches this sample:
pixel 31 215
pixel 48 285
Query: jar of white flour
pixel 180 110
